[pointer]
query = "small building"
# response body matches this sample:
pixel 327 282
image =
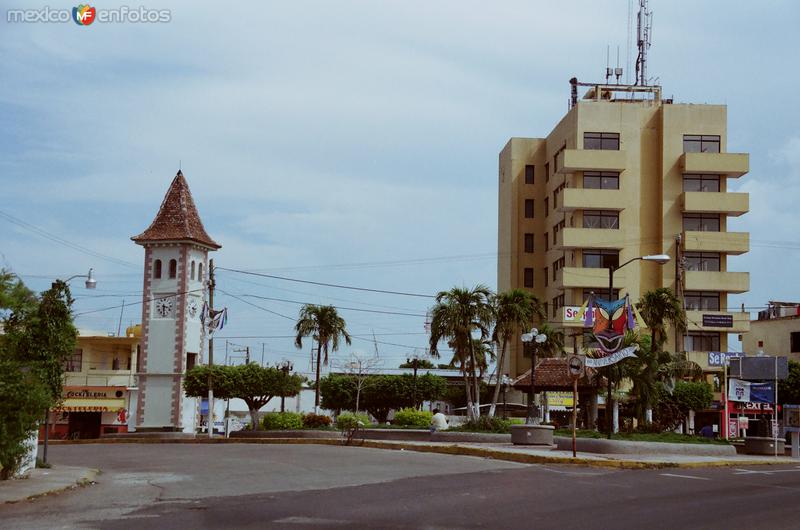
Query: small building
pixel 776 331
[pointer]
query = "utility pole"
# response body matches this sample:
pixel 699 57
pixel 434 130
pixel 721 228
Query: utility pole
pixel 286 367
pixel 247 355
pixel 210 351
pixel 316 388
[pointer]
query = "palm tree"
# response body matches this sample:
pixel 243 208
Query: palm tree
pixel 459 313
pixel 514 311
pixel 660 308
pixel 324 325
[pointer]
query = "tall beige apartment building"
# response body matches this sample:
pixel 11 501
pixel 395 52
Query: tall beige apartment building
pixel 625 174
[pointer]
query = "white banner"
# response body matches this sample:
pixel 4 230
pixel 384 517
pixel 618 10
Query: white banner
pixel 614 358
pixel 738 390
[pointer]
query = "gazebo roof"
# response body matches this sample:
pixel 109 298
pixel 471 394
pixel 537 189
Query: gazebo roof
pixel 552 374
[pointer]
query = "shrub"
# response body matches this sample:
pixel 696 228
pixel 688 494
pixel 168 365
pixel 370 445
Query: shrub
pixel 348 420
pixel 315 421
pixel 487 424
pixel 283 421
pixel 413 418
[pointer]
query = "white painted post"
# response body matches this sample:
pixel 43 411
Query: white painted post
pixel 796 445
pixel 616 415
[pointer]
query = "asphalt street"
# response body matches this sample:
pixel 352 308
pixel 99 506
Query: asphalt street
pixel 300 486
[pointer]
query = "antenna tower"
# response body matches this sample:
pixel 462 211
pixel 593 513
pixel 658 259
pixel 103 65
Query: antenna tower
pixel 644 27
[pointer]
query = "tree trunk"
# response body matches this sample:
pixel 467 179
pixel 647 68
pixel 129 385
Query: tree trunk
pixel 474 374
pixel 316 386
pixel 254 417
pixel 496 395
pixel 468 389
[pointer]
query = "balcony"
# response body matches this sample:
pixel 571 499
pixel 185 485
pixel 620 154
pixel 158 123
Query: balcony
pixel 727 242
pixel 602 238
pixel 730 164
pixel 584 278
pixel 572 160
pixel 590 199
pixel 716 202
pixel 124 378
pixel 730 282
pixel 741 321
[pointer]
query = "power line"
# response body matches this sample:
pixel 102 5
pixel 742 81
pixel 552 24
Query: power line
pixel 337 307
pixel 338 286
pixel 256 306
pixel 158 297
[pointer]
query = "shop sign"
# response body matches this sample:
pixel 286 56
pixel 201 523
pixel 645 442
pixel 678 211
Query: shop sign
pixel 717 321
pixel 559 399
pixel 89 392
pixel 718 358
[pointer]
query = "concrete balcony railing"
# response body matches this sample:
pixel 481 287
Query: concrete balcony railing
pixel 729 164
pixel 124 378
pixel 585 278
pixel 727 242
pixel 572 160
pixel 602 238
pixel 590 199
pixel 731 282
pixel 740 321
pixel 716 202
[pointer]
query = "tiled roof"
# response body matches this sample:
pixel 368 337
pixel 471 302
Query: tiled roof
pixel 552 373
pixel 177 219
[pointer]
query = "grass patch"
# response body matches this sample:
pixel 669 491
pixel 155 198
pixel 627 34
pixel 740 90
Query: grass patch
pixel 667 437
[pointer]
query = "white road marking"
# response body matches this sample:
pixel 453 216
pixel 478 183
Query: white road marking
pixel 683 476
pixel 770 472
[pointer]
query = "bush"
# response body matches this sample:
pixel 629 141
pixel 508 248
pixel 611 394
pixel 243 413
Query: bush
pixel 487 424
pixel 413 418
pixel 282 421
pixel 315 421
pixel 348 420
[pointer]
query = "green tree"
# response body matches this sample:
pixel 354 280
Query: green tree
pixel 514 311
pixel 324 325
pixel 15 297
pixel 660 308
pixel 421 363
pixel 789 389
pixel 458 314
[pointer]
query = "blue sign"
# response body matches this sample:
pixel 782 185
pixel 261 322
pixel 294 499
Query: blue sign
pixel 722 358
pixel 762 392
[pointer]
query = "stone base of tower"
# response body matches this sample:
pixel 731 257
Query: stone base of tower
pixel 164 407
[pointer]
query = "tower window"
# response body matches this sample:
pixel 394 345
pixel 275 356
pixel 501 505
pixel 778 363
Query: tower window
pixel 528 242
pixel 601 180
pixel 200 272
pixel 529 208
pixel 601 140
pixel 693 182
pixel 192 273
pixel 173 269
pixel 191 360
pixel 528 279
pixel 700 143
pixel 157 269
pixel 529 174
pixel 701 222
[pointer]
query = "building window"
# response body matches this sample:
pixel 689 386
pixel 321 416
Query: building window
pixel 601 140
pixel 157 269
pixel 700 143
pixel 529 174
pixel 547 172
pixel 702 261
pixel 546 277
pixel 556 193
pixel 546 242
pixel 692 182
pixel 558 303
pixel 74 363
pixel 701 342
pixel 546 206
pixel 601 219
pixel 601 293
pixel 529 208
pixel 557 266
pixel 701 222
pixel 794 342
pixel 529 243
pixel 601 180
pixel 200 272
pixel 600 259
pixel 138 357
pixel 191 360
pixel 528 280
pixel 701 300
pixel 173 269
pixel 192 273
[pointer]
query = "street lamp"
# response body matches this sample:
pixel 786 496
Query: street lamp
pixel 91 283
pixel 505 381
pixel 534 338
pixel 661 259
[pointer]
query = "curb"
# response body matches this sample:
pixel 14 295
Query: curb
pixel 87 479
pixel 452 449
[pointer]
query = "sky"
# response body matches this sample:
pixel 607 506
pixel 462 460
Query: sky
pixel 353 143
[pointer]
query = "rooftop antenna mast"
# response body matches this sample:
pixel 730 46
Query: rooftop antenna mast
pixel 644 27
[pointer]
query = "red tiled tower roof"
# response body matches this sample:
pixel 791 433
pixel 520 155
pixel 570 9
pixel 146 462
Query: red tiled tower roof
pixel 177 219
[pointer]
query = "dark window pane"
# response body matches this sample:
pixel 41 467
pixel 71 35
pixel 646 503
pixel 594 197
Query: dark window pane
pixel 529 208
pixel 700 182
pixel 546 206
pixel 528 242
pixel 702 261
pixel 528 280
pixel 528 174
pixel 600 259
pixel 696 143
pixel 603 140
pixel 794 339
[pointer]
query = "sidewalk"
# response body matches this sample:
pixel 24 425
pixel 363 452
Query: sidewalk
pixel 45 482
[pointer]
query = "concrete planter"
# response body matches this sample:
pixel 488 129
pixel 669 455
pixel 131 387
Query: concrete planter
pixel 757 445
pixel 532 434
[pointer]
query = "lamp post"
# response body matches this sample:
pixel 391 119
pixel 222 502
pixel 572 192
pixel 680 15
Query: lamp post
pixel 661 259
pixel 91 283
pixel 505 381
pixel 534 338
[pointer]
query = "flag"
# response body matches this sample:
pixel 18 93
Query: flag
pixel 212 319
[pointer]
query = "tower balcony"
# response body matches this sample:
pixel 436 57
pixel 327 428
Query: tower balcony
pixel 727 242
pixel 599 238
pixel 572 160
pixel 729 164
pixel 590 199
pixel 730 282
pixel 588 278
pixel 734 204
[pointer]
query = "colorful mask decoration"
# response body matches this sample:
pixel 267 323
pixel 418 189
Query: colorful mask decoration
pixel 609 320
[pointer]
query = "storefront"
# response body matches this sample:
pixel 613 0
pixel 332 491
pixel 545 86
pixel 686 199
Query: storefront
pixel 89 412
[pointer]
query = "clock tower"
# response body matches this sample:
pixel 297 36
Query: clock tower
pixel 176 248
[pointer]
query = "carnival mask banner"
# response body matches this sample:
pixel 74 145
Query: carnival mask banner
pixel 609 320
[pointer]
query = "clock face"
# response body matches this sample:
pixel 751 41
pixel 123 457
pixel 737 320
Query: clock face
pixel 192 307
pixel 164 307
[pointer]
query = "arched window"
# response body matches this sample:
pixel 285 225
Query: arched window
pixel 192 273
pixel 173 268
pixel 200 272
pixel 157 269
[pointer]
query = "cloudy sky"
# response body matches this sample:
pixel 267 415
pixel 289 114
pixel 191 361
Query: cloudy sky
pixel 351 142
